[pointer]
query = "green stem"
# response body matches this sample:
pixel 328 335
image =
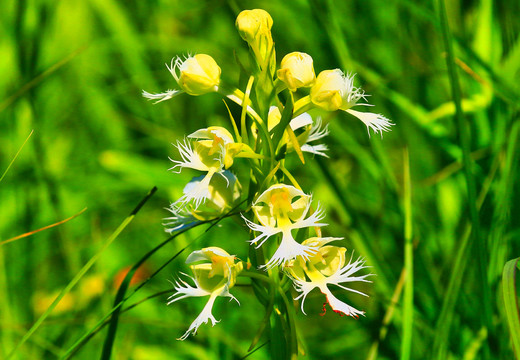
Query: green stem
pixel 303 105
pixel 237 96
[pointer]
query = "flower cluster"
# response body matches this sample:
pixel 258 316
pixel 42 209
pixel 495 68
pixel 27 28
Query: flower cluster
pixel 266 133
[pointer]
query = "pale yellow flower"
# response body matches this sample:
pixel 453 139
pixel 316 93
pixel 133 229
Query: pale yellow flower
pixel 334 90
pixel 211 150
pixel 281 209
pixel 213 277
pixel 296 71
pixel 223 193
pixel 196 75
pixel 327 266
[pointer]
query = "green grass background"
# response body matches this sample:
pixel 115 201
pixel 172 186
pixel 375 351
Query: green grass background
pixel 73 71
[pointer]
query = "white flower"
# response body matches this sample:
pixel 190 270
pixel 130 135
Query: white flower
pixel 213 279
pixel 327 267
pixel 281 209
pixel 223 193
pixel 334 90
pixel 195 75
pixel 212 152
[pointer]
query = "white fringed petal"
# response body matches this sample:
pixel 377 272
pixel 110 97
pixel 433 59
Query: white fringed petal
pixel 180 218
pixel 288 250
pixel 377 122
pixel 344 274
pixel 203 318
pixel 318 131
pixel 159 97
pixel 190 158
pixel 339 306
pixel 196 191
pixel 316 149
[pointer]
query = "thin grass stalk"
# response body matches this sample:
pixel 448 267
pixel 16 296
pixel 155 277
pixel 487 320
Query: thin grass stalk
pixel 479 245
pixel 408 304
pixel 82 272
pixel 120 296
pixel 511 303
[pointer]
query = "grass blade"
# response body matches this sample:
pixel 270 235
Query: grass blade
pixel 82 272
pixel 479 247
pixel 3 242
pixel 15 156
pixel 511 303
pixel 408 305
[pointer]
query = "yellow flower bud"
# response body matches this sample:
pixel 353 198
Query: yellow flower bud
pixel 254 23
pixel 296 70
pixel 198 74
pixel 254 26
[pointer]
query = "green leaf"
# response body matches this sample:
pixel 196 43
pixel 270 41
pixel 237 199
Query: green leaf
pixel 82 272
pixel 277 132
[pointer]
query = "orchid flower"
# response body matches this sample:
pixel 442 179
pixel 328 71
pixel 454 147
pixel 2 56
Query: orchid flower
pixel 212 278
pixel 195 75
pixel 212 152
pixel 327 266
pixel 281 209
pixel 224 193
pixel 334 90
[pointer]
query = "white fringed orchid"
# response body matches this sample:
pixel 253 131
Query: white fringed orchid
pixel 327 266
pixel 214 277
pixel 195 75
pixel 281 209
pixel 334 90
pixel 224 193
pixel 211 152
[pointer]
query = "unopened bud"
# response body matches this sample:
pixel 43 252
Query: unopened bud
pixel 296 70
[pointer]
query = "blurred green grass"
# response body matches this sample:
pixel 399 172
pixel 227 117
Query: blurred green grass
pixel 73 71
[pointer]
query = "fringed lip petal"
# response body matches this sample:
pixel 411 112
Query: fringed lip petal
pixel 196 191
pixel 180 217
pixel 316 149
pixel 159 97
pixel 203 318
pixel 339 306
pixel 189 158
pixel 289 249
pixel 344 274
pixel 377 122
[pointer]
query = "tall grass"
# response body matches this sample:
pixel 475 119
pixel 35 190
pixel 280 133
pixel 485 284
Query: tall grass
pixel 446 73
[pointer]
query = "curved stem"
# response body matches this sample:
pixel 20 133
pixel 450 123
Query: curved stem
pixel 302 105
